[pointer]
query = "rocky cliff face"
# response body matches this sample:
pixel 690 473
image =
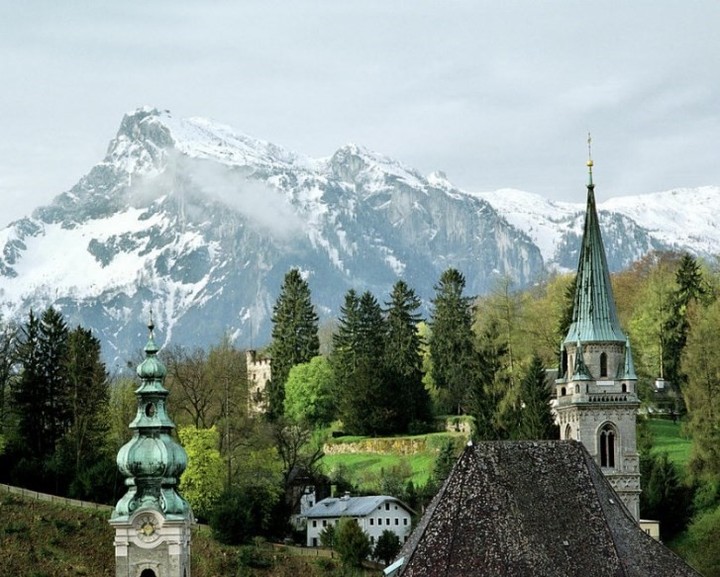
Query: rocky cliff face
pixel 200 224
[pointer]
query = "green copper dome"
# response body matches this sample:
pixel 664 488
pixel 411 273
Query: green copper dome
pixel 152 460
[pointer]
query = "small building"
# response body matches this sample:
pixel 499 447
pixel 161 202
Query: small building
pixel 374 514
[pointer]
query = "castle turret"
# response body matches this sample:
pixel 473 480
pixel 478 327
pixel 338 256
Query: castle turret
pixel 152 521
pixel 596 393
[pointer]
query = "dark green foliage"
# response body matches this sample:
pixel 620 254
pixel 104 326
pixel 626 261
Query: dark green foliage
pixel 403 358
pixel 690 289
pixel 240 515
pixel 387 547
pixel 665 498
pixel 489 388
pixel 357 359
pixel 444 463
pixel 294 335
pixel 352 543
pixel 328 536
pixel 454 360
pixel 535 419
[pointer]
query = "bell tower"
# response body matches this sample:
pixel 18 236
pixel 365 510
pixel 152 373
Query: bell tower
pixel 596 390
pixel 152 521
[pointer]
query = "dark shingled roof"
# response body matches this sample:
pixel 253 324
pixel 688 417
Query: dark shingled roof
pixel 532 509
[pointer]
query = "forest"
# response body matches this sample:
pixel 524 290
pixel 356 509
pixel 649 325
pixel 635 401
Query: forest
pixel 379 369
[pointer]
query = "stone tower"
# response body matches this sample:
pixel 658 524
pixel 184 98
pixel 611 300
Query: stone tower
pixel 596 390
pixel 152 521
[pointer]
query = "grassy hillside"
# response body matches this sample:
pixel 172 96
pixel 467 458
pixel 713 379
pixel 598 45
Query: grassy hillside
pixel 40 539
pixel 364 461
pixel 668 438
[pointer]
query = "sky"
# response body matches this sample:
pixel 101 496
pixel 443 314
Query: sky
pixel 495 94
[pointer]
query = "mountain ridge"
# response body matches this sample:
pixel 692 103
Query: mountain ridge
pixel 200 223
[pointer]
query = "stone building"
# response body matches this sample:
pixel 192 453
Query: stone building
pixel 531 509
pixel 596 392
pixel 152 521
pixel 259 373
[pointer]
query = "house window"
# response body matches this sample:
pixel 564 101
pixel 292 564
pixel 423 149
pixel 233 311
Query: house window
pixel 387 521
pixel 314 523
pixel 607 445
pixel 603 365
pixel 405 521
pixel 372 521
pixel 397 521
pixel 324 523
pixel 387 506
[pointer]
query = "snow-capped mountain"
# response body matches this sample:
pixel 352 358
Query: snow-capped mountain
pixel 680 220
pixel 199 224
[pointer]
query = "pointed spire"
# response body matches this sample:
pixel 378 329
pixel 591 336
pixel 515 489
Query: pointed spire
pixel 594 314
pixel 629 367
pixel 590 162
pixel 580 370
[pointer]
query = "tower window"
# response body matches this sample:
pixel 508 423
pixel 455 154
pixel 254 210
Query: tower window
pixel 568 432
pixel 607 446
pixel 624 388
pixel 603 365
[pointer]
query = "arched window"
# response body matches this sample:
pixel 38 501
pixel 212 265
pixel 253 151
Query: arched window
pixel 577 388
pixel 147 573
pixel 603 365
pixel 607 445
pixel 568 432
pixel 562 392
pixel 624 388
pixel 563 363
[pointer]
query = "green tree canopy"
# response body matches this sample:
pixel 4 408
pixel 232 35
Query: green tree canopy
pixel 294 335
pixel 309 393
pixel 387 547
pixel 202 482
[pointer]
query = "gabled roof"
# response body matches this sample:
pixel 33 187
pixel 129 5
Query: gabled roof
pixel 532 509
pixel 594 315
pixel 351 506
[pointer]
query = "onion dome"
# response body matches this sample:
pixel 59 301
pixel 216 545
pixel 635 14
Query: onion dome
pixel 152 460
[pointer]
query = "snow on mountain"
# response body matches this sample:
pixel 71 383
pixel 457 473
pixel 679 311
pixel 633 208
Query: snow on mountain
pixel 686 218
pixel 632 225
pixel 200 223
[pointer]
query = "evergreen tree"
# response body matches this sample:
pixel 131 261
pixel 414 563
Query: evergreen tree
pixel 387 547
pixel 690 290
pixel 53 344
pixel 352 543
pixel 364 406
pixel 535 419
pixel 88 397
pixel 403 358
pixel 294 335
pixel 454 360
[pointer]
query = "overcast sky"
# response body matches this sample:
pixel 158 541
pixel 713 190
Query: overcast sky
pixel 495 93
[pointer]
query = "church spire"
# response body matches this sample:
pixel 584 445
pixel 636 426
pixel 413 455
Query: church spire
pixel 594 316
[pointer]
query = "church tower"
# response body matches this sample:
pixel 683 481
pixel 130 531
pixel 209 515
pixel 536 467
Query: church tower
pixel 152 521
pixel 596 390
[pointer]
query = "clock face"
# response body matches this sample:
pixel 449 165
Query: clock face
pixel 147 527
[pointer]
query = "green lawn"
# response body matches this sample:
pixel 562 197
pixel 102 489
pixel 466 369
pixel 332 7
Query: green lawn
pixel 365 470
pixel 668 438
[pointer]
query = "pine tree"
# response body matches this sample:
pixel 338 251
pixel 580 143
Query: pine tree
pixel 88 396
pixel 357 359
pixel 535 419
pixel 690 290
pixel 454 360
pixel 294 335
pixel 403 358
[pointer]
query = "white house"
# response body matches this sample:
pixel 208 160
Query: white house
pixel 374 514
